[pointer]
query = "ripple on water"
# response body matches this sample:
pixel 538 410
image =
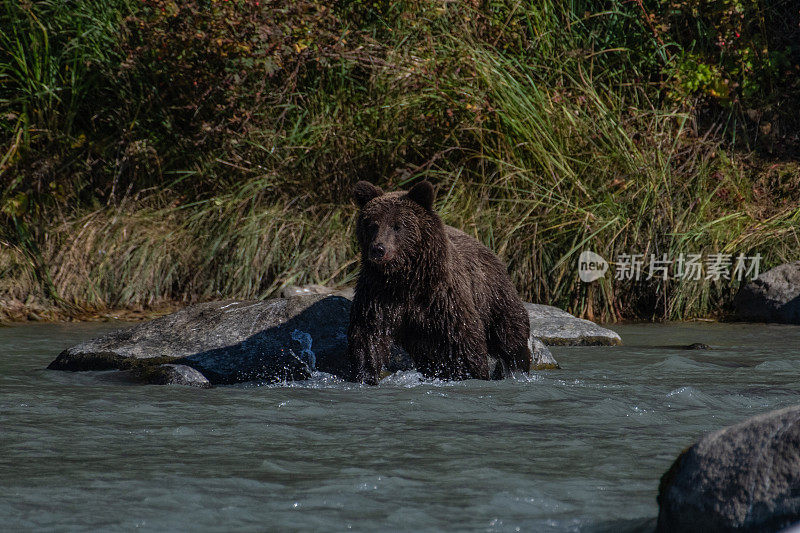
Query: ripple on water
pixel 779 366
pixel 691 397
pixel 619 409
pixel 678 363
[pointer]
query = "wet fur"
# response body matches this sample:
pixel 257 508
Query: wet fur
pixel 440 294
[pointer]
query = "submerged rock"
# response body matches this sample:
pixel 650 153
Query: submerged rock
pixel 169 374
pixel 744 477
pixel 693 346
pixel 774 296
pixel 697 346
pixel 556 327
pixel 283 339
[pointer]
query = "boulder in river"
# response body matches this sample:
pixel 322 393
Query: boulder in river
pixel 744 477
pixel 774 296
pixel 556 327
pixel 226 342
pixel 229 341
pixel 283 339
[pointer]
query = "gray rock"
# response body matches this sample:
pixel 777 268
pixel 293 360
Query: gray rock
pixel 774 296
pixel 184 375
pixel 697 346
pixel 347 292
pixel 305 290
pixel 230 341
pixel 556 327
pixel 744 477
pixel 542 358
pixel 172 375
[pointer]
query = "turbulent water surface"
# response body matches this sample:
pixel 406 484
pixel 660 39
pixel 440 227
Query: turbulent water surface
pixel 579 449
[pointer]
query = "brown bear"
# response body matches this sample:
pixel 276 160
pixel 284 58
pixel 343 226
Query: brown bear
pixel 431 289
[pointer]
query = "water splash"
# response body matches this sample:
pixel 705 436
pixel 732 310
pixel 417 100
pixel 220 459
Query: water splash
pixel 306 355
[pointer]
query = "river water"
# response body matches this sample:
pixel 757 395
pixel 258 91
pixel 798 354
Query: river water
pixel 579 449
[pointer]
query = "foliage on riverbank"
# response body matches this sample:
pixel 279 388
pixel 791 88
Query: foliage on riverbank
pixel 164 152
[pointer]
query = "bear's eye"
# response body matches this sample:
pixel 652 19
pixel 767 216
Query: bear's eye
pixel 397 226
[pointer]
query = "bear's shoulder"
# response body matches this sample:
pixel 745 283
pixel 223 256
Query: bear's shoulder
pixel 462 241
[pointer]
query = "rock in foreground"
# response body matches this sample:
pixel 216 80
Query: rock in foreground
pixel 228 342
pixel 284 339
pixel 744 477
pixel 558 328
pixel 774 296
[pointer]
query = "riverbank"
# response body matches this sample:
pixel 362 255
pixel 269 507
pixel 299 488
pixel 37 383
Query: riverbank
pixel 160 152
pixel 18 313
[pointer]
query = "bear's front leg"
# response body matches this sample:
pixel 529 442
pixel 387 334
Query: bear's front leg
pixel 454 352
pixel 368 348
pixel 469 359
pixel 450 360
pixel 465 339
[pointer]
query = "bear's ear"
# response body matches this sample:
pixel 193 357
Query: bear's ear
pixel 422 193
pixel 364 191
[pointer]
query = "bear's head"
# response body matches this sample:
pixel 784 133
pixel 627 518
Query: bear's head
pixel 394 229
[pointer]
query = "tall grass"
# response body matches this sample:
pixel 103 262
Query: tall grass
pixel 536 123
pixel 590 175
pixel 52 55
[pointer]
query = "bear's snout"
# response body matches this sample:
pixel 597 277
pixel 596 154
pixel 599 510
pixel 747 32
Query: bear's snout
pixel 377 251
